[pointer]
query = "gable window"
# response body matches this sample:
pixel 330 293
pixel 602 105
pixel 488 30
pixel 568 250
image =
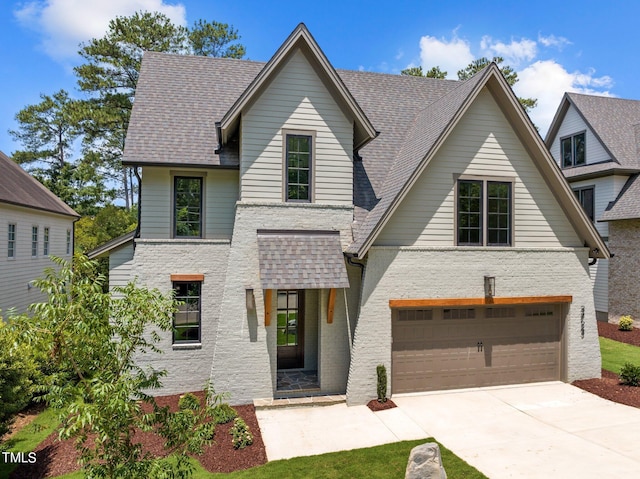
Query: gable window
pixel 186 320
pixel 187 212
pixel 45 244
pixel 484 211
pixel 586 198
pixel 573 150
pixel 298 168
pixel 11 241
pixel 34 241
pixel 68 241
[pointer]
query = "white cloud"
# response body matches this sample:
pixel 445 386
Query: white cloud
pixel 64 24
pixel 553 41
pixel 514 53
pixel 547 81
pixel 450 55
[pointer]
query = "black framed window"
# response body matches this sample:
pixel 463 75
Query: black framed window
pixel 68 241
pixel 288 316
pixel 186 320
pixel 573 150
pixel 11 241
pixel 34 241
pixel 187 212
pixel 484 213
pixel 586 197
pixel 298 168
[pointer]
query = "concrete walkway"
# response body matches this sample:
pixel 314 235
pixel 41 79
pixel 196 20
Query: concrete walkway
pixel 545 430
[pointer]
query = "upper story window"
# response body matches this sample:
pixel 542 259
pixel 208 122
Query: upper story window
pixel 68 241
pixel 45 242
pixel 187 210
pixel 298 167
pixel 34 241
pixel 186 320
pixel 573 150
pixel 484 213
pixel 11 241
pixel 586 198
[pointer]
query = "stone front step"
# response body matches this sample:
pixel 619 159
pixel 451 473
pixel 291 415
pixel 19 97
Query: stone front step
pixel 306 401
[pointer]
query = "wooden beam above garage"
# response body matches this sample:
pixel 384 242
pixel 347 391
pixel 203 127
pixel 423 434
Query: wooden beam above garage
pixel 456 302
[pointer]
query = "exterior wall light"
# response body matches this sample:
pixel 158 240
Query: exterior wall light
pixel 489 286
pixel 250 299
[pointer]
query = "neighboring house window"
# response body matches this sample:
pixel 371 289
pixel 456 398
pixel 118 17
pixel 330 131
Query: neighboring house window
pixel 573 150
pixel 484 213
pixel 68 241
pixel 187 213
pixel 45 247
pixel 34 241
pixel 186 320
pixel 11 241
pixel 586 198
pixel 298 168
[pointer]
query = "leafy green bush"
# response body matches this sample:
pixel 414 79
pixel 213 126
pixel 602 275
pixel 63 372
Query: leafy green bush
pixel 630 374
pixel 625 323
pixel 223 413
pixel 381 370
pixel 240 434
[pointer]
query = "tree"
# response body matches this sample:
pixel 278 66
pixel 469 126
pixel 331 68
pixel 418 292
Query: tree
pixel 48 131
pixel 110 222
pixel 213 39
pixel 509 74
pixel 98 389
pixel 434 72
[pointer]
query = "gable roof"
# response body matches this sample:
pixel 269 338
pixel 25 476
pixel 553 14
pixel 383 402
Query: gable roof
pixel 19 188
pixel 301 39
pixel 613 121
pixel 180 98
pixel 111 245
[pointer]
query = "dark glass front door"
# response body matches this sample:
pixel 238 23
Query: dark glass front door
pixel 290 316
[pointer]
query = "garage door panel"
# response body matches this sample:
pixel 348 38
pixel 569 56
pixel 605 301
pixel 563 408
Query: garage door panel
pixel 445 353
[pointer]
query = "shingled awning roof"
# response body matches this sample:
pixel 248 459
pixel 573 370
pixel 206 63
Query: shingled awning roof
pixel 301 260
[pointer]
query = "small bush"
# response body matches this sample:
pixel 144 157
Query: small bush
pixel 630 375
pixel 223 413
pixel 240 434
pixel 381 370
pixel 625 323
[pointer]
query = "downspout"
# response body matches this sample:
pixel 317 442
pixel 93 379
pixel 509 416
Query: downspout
pixel 350 260
pixel 137 233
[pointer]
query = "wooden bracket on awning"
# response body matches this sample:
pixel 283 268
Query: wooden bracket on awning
pixel 268 295
pixel 332 305
pixel 453 302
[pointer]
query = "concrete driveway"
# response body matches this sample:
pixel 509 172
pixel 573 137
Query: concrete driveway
pixel 544 430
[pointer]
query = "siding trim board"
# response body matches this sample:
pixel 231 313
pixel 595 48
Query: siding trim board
pixel 433 303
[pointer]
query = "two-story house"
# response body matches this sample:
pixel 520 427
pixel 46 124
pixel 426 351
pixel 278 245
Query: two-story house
pixel 596 141
pixel 316 222
pixel 34 224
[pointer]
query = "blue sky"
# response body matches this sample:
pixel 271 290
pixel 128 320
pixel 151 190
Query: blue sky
pixel 555 46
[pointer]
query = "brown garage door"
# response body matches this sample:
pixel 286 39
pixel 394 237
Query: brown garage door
pixel 441 348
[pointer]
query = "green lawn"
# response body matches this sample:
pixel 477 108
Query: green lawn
pixel 615 354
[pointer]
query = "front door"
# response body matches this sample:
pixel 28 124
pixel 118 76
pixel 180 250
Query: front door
pixel 290 329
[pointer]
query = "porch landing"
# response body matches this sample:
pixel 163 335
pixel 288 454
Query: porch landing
pixel 308 401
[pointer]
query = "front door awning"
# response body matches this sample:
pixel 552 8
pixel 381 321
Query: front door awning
pixel 301 260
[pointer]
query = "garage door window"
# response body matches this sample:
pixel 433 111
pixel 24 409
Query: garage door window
pixel 457 313
pixel 415 314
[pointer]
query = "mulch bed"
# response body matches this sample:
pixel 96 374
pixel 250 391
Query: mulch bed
pixel 609 386
pixel 376 405
pixel 55 458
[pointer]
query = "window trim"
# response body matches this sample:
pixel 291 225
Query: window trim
pixel 578 193
pixel 175 175
pixel 11 240
pixel 311 134
pixel 573 149
pixel 45 241
pixel 484 230
pixel 34 241
pixel 173 332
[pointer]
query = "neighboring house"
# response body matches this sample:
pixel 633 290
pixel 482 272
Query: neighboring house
pixel 596 142
pixel 327 221
pixel 34 224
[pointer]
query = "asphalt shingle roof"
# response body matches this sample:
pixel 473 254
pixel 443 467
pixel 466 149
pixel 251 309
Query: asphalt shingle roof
pixel 17 187
pixel 627 204
pixel 301 260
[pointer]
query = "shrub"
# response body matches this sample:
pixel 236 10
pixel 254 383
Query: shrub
pixel 240 434
pixel 625 323
pixel 381 370
pixel 223 413
pixel 630 374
